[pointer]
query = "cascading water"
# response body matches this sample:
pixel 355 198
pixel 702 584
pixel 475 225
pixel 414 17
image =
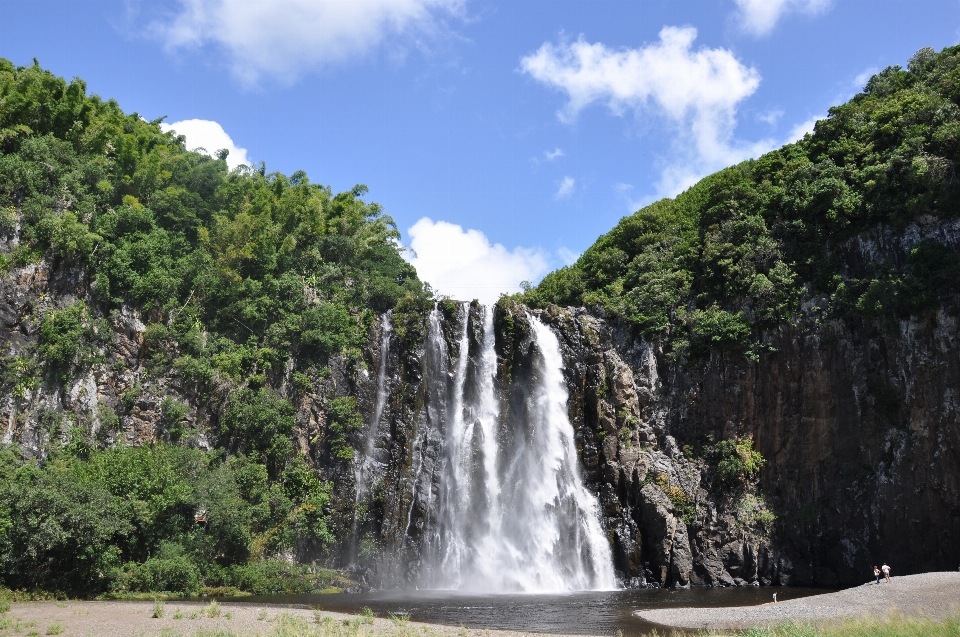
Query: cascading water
pixel 365 463
pixel 514 514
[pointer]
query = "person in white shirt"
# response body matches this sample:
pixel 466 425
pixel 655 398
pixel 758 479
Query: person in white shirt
pixel 886 571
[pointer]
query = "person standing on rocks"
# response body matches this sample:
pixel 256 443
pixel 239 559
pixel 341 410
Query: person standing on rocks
pixel 886 571
pixel 876 573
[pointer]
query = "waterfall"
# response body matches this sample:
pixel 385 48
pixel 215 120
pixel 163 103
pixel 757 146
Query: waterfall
pixel 365 463
pixel 429 432
pixel 514 514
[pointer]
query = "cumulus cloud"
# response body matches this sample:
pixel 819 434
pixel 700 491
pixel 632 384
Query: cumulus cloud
pixel 209 136
pixel 698 91
pixel 553 154
pixel 282 39
pixel 759 17
pixel 566 187
pixel 464 264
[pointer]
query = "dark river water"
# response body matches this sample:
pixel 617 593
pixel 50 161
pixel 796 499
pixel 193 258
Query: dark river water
pixel 593 613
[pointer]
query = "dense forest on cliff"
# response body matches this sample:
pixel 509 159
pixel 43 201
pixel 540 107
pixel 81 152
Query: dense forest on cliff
pixel 246 280
pixel 258 290
pixel 739 251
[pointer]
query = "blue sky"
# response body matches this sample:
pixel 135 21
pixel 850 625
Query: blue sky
pixel 503 137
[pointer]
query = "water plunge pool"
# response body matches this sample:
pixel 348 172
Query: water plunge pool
pixel 584 613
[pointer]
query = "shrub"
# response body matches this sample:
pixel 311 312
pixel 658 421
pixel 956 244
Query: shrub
pixel 344 419
pixel 172 412
pixel 737 462
pixel 68 338
pixel 259 423
pixel 175 575
pixel 272 577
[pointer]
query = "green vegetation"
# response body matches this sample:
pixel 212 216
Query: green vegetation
pixel 123 520
pixel 55 628
pixel 237 271
pixel 741 249
pixel 895 626
pixel 683 507
pixel 753 511
pixel 249 283
pixel 737 462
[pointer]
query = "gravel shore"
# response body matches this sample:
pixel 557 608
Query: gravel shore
pixel 129 619
pixel 933 595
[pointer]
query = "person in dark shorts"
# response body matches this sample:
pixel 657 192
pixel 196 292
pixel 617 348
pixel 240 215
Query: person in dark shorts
pixel 876 573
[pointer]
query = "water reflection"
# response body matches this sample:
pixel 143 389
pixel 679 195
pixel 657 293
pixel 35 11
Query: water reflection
pixel 590 613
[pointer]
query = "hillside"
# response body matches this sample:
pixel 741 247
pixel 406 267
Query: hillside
pixel 151 297
pixel 215 379
pixel 745 247
pixel 805 302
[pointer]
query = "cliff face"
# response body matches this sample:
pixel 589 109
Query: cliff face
pixel 856 421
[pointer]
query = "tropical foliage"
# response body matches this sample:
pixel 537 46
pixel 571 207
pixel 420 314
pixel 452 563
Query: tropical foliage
pixel 250 283
pixel 740 250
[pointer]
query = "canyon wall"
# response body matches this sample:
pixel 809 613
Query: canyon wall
pixel 857 421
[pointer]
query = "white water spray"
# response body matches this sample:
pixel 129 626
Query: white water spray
pixel 514 513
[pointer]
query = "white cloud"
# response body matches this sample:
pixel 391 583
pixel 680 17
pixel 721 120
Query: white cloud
pixel 464 264
pixel 770 117
pixel 210 136
pixel 861 80
pixel 567 256
pixel 566 187
pixel 283 39
pixel 801 129
pixel 759 17
pixel 553 154
pixel 698 91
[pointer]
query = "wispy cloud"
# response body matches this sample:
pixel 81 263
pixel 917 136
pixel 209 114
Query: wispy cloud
pixel 698 91
pixel 567 256
pixel 209 136
pixel 770 117
pixel 759 17
pixel 861 80
pixel 283 39
pixel 801 129
pixel 464 264
pixel 566 187
pixel 553 154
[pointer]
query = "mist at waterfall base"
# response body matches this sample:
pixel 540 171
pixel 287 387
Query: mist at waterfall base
pixel 578 613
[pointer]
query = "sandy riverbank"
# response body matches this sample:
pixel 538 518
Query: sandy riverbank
pixel 134 619
pixel 933 595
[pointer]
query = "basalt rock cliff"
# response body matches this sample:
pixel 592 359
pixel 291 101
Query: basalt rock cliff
pixel 857 425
